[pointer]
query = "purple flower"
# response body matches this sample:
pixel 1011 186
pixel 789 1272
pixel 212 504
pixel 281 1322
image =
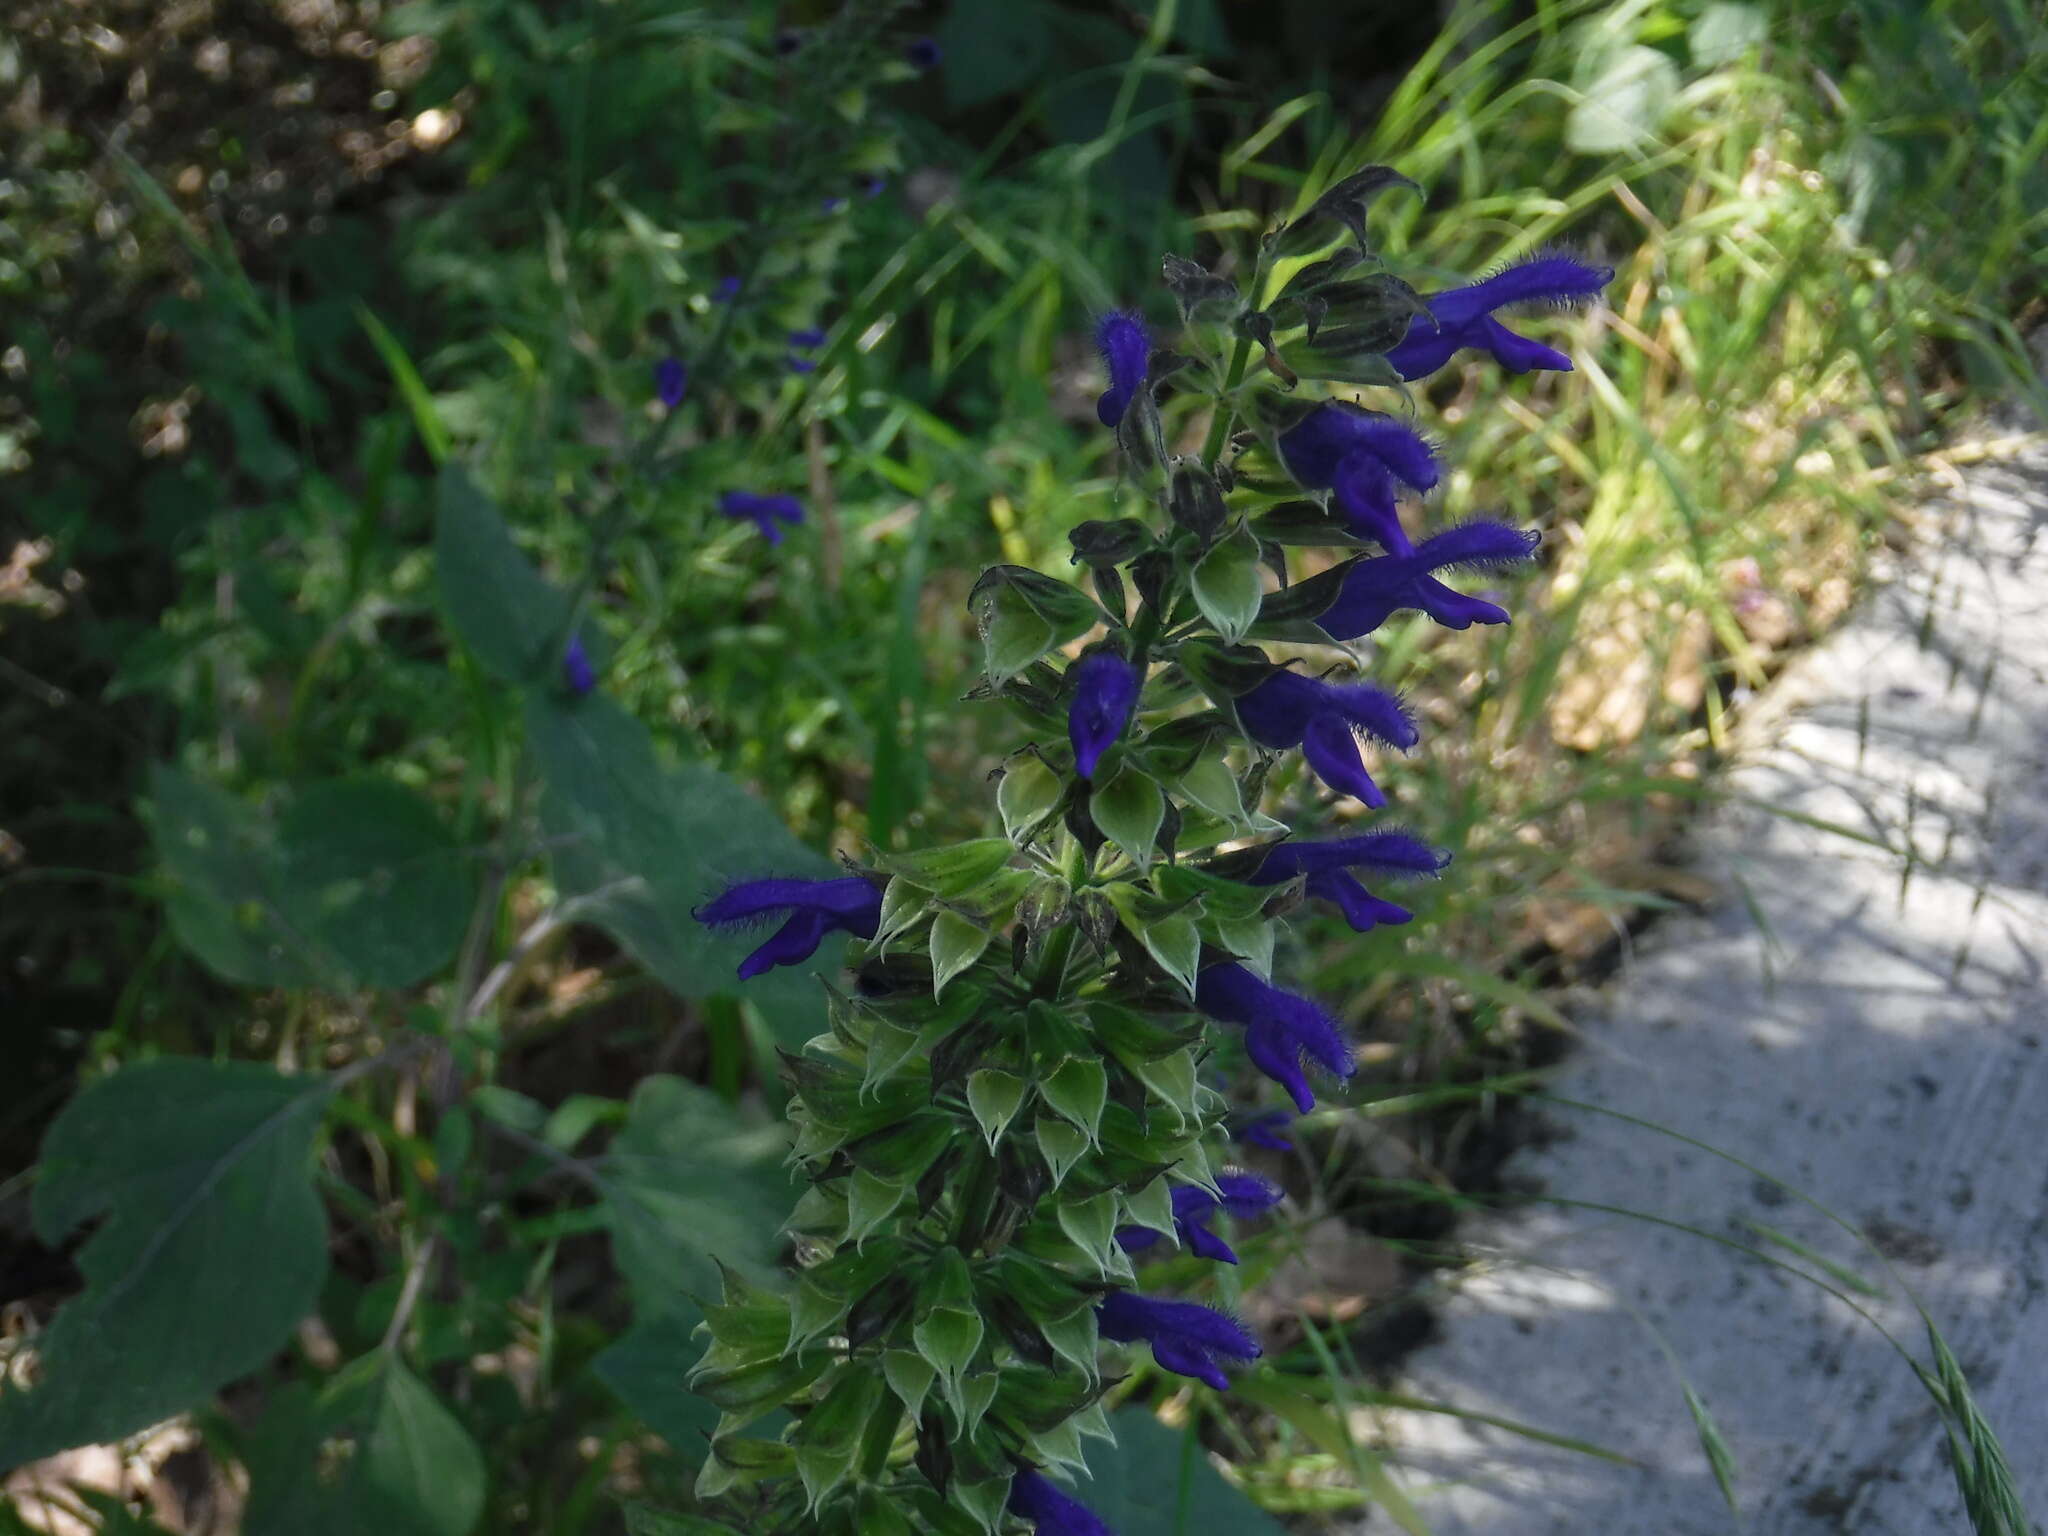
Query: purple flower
pixel 1280 1028
pixel 874 186
pixel 1374 590
pixel 923 54
pixel 1105 691
pixel 764 510
pixel 1127 354
pixel 1185 1336
pixel 1463 317
pixel 576 669
pixel 1360 454
pixel 1245 1195
pixel 833 204
pixel 1263 1130
pixel 814 907
pixel 806 340
pixel 727 290
pixel 671 381
pixel 1322 718
pixel 1326 864
pixel 1051 1512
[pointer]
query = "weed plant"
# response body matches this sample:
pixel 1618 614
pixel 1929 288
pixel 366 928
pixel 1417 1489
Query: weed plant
pixel 1826 220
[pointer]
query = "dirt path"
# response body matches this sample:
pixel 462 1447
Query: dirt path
pixel 1876 1038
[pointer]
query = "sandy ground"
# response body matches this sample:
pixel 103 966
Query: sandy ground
pixel 1878 1040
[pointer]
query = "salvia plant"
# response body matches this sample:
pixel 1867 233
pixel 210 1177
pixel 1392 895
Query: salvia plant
pixel 1009 1111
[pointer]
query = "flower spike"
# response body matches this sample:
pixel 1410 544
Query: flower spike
pixel 1463 317
pixel 1374 590
pixel 1186 1337
pixel 814 907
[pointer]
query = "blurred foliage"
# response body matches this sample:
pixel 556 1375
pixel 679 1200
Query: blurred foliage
pixel 265 266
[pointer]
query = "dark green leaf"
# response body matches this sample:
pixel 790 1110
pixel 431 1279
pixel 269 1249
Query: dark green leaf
pixel 687 1182
pixel 495 601
pixel 412 1469
pixel 1157 1481
pixel 646 1367
pixel 210 1248
pixel 372 877
pixel 222 861
pixel 643 845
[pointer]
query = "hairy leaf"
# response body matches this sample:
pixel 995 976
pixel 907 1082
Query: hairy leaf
pixel 211 1245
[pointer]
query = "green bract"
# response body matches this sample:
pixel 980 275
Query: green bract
pixel 1017 1083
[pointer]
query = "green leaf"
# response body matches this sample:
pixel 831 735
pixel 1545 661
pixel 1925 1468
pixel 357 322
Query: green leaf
pixel 1172 1079
pixel 956 944
pixel 492 597
pixel 222 861
pixel 510 1107
pixel 947 1338
pixel 1022 614
pixel 1211 785
pixel 870 1201
pixel 910 1377
pixel 995 1097
pixel 1176 943
pixel 371 876
pixel 948 1329
pixel 685 1182
pixel 1625 103
pixel 359 884
pixel 1012 637
pixel 1129 810
pixel 1227 587
pixel 993 47
pixel 828 1439
pixel 1156 1481
pixel 642 1367
pixel 200 1176
pixel 971 1396
pixel 639 846
pixel 903 903
pixel 1078 1090
pixel 1151 1206
pixel 953 871
pixel 415 1470
pixel 1027 796
pixel 1091 1224
pixel 1725 31
pixel 1250 939
pixel 1061 1145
